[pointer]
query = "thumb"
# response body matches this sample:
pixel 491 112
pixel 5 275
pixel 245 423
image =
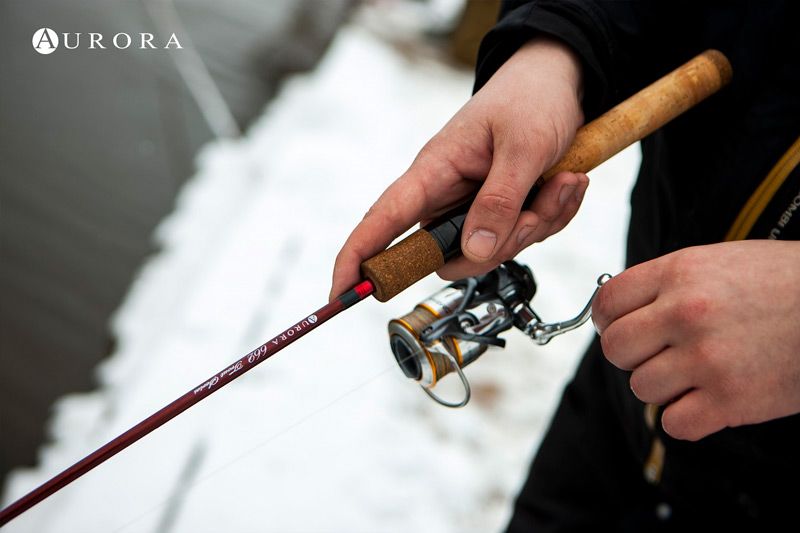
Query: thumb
pixel 496 208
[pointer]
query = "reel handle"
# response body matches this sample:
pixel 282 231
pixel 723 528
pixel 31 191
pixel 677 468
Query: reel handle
pixel 427 249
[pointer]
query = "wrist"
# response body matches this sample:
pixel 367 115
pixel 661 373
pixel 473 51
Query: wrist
pixel 557 57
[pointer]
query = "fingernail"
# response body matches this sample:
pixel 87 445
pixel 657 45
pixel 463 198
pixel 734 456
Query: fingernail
pixel 566 192
pixel 481 243
pixel 579 194
pixel 524 233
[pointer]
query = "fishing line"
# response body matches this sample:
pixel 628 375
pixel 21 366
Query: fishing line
pixel 390 272
pixel 194 72
pixel 165 414
pixel 299 422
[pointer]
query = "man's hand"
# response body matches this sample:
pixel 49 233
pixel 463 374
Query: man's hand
pixel 501 141
pixel 712 331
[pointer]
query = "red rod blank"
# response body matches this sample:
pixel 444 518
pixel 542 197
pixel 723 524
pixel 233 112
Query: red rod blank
pixel 203 390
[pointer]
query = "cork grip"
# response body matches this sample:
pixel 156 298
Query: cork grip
pixel 398 267
pixel 645 112
pixel 420 254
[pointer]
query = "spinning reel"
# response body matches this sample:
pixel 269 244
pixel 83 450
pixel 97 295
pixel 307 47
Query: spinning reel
pixel 456 325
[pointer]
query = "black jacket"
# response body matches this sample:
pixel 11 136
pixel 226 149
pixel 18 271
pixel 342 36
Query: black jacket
pixel 697 173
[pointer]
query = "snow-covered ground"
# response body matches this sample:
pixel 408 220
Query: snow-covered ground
pixel 328 435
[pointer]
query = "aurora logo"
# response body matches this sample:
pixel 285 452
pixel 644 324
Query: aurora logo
pixel 46 41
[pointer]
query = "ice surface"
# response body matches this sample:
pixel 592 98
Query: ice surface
pixel 327 436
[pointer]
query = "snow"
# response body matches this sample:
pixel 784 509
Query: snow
pixel 328 435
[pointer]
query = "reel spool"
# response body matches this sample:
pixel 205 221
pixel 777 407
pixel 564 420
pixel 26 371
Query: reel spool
pixel 453 327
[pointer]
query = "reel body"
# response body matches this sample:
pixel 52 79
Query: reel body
pixel 456 325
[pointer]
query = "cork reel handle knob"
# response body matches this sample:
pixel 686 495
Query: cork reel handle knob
pixel 426 250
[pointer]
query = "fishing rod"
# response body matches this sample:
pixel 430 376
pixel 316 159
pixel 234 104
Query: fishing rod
pixel 200 392
pixel 425 251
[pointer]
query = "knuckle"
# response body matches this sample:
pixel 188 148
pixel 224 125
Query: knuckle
pixel 638 385
pixel 344 256
pixel 522 141
pixel 499 204
pixel 692 311
pixel 608 346
pixel 433 157
pixel 695 428
pixel 684 265
pixel 549 214
pixel 685 424
pixel 393 213
pixel 676 426
pixel 430 149
pixel 560 224
pixel 724 382
pixel 613 342
pixel 557 127
pixel 705 353
pixel 371 211
pixel 340 257
pixel 542 141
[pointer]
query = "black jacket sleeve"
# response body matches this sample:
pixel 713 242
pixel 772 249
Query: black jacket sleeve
pixel 622 45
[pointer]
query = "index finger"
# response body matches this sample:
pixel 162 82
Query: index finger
pixel 398 208
pixel 634 288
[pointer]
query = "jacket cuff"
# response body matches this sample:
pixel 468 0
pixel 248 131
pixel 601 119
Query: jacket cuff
pixel 579 25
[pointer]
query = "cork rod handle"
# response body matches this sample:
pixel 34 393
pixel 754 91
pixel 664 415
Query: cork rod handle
pixel 426 250
pixel 645 112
